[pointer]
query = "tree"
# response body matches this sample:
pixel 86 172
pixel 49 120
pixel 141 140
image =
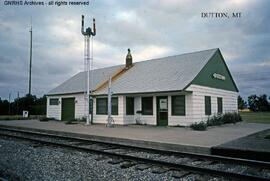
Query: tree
pixel 4 107
pixel 263 104
pixel 241 103
pixel 35 106
pixel 253 102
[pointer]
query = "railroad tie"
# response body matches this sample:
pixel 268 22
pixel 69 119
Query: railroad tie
pixel 159 170
pixel 143 166
pixel 127 164
pixel 115 161
pixel 180 174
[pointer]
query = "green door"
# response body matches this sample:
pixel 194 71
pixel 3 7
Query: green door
pixel 162 111
pixel 68 109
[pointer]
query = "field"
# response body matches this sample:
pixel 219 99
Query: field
pixel 256 117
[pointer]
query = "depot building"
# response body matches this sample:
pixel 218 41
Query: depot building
pixel 174 90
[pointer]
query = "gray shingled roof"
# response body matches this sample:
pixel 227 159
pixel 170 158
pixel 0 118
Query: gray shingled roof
pixel 157 75
pixel 77 83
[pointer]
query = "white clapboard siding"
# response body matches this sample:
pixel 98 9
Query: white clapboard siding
pixel 54 111
pixel 229 99
pixel 195 110
pixel 180 120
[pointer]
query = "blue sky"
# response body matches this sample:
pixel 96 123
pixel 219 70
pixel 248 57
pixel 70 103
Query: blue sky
pixel 151 29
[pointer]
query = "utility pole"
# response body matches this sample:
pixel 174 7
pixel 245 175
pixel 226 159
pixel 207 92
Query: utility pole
pixel 87 34
pixel 30 64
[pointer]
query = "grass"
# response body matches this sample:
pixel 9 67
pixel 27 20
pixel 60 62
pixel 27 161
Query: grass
pixel 256 117
pixel 17 117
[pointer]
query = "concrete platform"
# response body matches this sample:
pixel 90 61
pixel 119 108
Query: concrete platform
pixel 254 146
pixel 168 138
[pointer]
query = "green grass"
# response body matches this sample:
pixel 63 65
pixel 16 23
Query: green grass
pixel 17 117
pixel 256 117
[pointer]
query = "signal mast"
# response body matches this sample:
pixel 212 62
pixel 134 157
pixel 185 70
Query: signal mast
pixel 87 34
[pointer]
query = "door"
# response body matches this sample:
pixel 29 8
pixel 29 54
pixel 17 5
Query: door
pixel 162 111
pixel 68 109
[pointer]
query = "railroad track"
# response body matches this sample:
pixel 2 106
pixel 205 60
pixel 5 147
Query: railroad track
pixel 181 163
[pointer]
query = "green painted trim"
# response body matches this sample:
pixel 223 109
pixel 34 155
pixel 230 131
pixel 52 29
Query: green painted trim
pixel 215 64
pixel 114 107
pixel 207 105
pixel 182 100
pixel 68 109
pixel 162 118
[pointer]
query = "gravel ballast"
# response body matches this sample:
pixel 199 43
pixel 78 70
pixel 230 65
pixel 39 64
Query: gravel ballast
pixel 23 160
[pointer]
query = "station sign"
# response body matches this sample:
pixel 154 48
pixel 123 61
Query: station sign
pixel 219 76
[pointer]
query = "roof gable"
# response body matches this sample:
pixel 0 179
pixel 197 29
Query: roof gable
pixel 215 74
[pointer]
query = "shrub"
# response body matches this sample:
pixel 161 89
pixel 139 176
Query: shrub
pixel 232 118
pixel 71 121
pixel 83 119
pixel 201 126
pixel 215 121
pixel 224 119
pixel 44 119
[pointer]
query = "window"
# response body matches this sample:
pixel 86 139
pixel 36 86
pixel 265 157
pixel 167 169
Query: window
pixel 178 105
pixel 220 105
pixel 129 105
pixel 54 101
pixel 207 105
pixel 115 106
pixel 102 106
pixel 147 105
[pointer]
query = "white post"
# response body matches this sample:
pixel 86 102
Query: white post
pixel 110 119
pixel 88 78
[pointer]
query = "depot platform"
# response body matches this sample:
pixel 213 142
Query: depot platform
pixel 165 138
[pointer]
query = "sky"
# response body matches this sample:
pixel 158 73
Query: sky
pixel 150 28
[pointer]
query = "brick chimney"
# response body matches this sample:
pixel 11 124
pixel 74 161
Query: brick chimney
pixel 128 59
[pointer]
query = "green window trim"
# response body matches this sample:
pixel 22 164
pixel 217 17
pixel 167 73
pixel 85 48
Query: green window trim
pixel 102 106
pixel 54 101
pixel 219 105
pixel 207 105
pixel 178 105
pixel 115 106
pixel 147 105
pixel 129 105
